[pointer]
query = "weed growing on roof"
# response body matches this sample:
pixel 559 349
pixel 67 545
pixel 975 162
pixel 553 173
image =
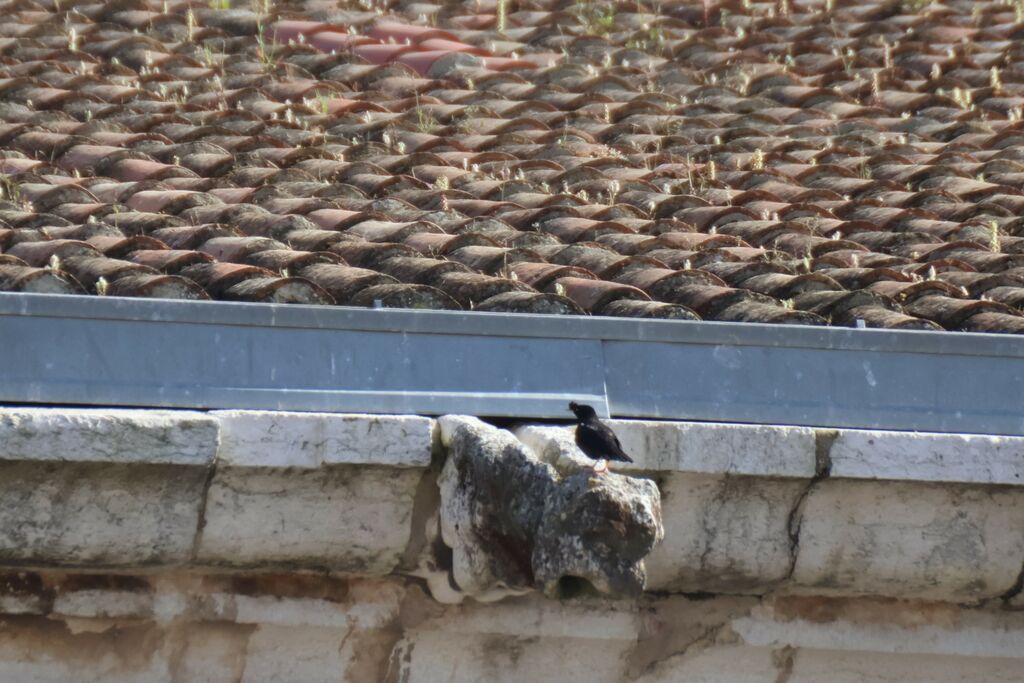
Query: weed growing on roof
pixel 11 190
pixel 963 98
pixel 266 52
pixel 190 25
pixel 425 121
pixel 596 18
pixel 914 6
pixel 502 15
pixel 757 160
pixel 220 5
pixel 613 191
pixel 994 241
pixel 995 79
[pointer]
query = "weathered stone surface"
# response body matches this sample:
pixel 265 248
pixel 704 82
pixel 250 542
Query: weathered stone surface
pixel 1015 596
pixel 95 514
pixel 43 650
pixel 733 449
pixel 343 518
pixel 837 666
pixel 281 439
pixel 913 456
pixel 599 529
pixel 492 501
pixel 736 664
pixel 513 524
pixel 521 639
pixel 308 654
pixel 104 604
pixel 430 657
pixel 869 624
pixel 557 447
pixel 108 435
pixel 758 450
pixel 290 627
pixel 723 534
pixel 905 540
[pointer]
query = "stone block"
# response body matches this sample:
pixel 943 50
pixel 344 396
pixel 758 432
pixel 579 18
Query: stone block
pixel 723 534
pixel 284 439
pixel 278 654
pixel 108 435
pixel 968 458
pixel 346 518
pixel 95 514
pixel 713 448
pixel 910 540
pixel 431 656
pixel 837 666
pixel 104 604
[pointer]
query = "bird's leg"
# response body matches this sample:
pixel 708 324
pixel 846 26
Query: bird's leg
pixel 601 467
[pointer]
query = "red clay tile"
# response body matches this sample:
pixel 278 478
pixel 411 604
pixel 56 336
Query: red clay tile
pixel 640 166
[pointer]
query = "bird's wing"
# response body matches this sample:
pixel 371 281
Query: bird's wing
pixel 600 442
pixel 619 453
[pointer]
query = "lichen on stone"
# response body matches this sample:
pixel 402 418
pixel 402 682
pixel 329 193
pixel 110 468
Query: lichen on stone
pixel 515 523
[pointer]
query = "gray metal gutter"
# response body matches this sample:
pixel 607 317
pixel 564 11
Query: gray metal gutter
pixel 141 352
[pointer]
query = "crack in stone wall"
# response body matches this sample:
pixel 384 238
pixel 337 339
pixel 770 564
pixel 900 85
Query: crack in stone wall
pixel 823 440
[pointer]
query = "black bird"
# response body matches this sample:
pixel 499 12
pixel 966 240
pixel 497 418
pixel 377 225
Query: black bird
pixel 596 440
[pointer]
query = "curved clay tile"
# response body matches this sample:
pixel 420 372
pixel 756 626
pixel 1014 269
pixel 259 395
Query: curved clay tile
pixel 529 302
pixel 88 270
pixel 343 282
pixel 42 253
pixel 22 278
pixel 371 254
pixel 593 295
pixel 993 321
pixel 469 288
pixel 404 296
pixel 492 260
pixel 118 246
pixel 157 287
pixel 757 312
pixel 952 313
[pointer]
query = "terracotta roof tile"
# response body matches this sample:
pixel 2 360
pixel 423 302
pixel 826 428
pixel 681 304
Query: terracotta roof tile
pixel 822 166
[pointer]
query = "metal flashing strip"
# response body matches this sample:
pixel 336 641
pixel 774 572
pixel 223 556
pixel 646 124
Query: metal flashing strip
pixel 140 352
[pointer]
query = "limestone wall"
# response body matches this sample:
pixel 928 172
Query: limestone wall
pixel 241 546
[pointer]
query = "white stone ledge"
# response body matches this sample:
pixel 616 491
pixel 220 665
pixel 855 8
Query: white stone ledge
pixel 313 440
pixel 108 435
pixel 718 448
pixel 698 447
pixel 792 452
pixel 935 516
pixel 916 456
pixel 280 439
